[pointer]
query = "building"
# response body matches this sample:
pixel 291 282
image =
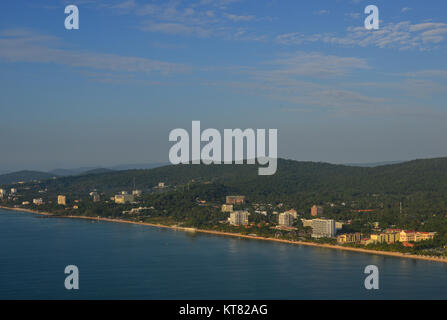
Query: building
pixel 38 201
pixel 238 218
pixel 285 219
pixel 391 235
pixel 323 228
pixel 25 203
pixel 415 236
pixel 96 198
pixel 13 190
pixel 235 200
pixel 62 200
pixel 316 211
pixel 366 241
pixel 161 185
pixel 2 193
pixel 137 193
pixel 293 213
pixel 338 225
pixel 124 198
pixel 377 238
pixel 227 208
pixel 349 238
pixel 406 236
pixel 421 236
pixel 307 223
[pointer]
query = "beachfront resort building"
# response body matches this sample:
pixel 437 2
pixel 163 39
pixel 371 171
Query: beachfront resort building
pixel 349 238
pixel 316 211
pixel 238 218
pixel 415 236
pixel 235 200
pixel 2 193
pixel 398 235
pixel 285 219
pixel 323 228
pixel 62 200
pixel 13 190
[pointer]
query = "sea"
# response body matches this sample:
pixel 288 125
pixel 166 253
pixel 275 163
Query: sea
pixel 126 261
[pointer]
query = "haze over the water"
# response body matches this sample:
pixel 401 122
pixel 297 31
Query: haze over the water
pixel 110 92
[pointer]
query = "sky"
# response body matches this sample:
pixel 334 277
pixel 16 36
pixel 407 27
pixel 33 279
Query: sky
pixel 110 92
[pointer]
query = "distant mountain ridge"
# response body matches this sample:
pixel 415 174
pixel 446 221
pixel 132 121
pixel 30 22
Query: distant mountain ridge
pixel 373 164
pixel 31 175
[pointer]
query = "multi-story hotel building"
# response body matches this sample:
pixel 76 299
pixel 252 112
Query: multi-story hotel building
pixel 285 219
pixel 238 218
pixel 323 228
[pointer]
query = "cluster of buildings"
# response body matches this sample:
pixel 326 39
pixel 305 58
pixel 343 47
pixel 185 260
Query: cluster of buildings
pixel 388 236
pixel 4 192
pixel 123 198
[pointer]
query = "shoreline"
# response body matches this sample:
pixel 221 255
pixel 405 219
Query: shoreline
pixel 229 234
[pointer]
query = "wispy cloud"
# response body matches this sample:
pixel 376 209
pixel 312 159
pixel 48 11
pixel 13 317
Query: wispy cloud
pixel 27 46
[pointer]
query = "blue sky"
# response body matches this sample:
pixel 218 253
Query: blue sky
pixel 111 92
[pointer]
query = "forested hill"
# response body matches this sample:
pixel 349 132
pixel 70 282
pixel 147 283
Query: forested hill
pixel 24 176
pixel 428 175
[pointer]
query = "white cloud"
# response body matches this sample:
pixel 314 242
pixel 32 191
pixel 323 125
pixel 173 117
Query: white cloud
pixel 237 18
pixel 402 35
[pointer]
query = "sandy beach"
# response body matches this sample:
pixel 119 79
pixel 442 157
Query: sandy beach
pixel 221 233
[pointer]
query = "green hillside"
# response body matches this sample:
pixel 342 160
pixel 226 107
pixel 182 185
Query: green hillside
pixel 291 177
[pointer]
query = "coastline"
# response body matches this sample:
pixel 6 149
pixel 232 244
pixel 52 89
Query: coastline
pixel 229 234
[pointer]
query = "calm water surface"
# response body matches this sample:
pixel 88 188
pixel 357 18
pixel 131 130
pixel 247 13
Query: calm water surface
pixel 121 261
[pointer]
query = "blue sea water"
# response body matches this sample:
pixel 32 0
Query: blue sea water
pixel 122 261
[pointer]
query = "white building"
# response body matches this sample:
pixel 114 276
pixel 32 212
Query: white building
pixel 13 190
pixel 323 228
pixel 2 193
pixel 285 219
pixel 238 218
